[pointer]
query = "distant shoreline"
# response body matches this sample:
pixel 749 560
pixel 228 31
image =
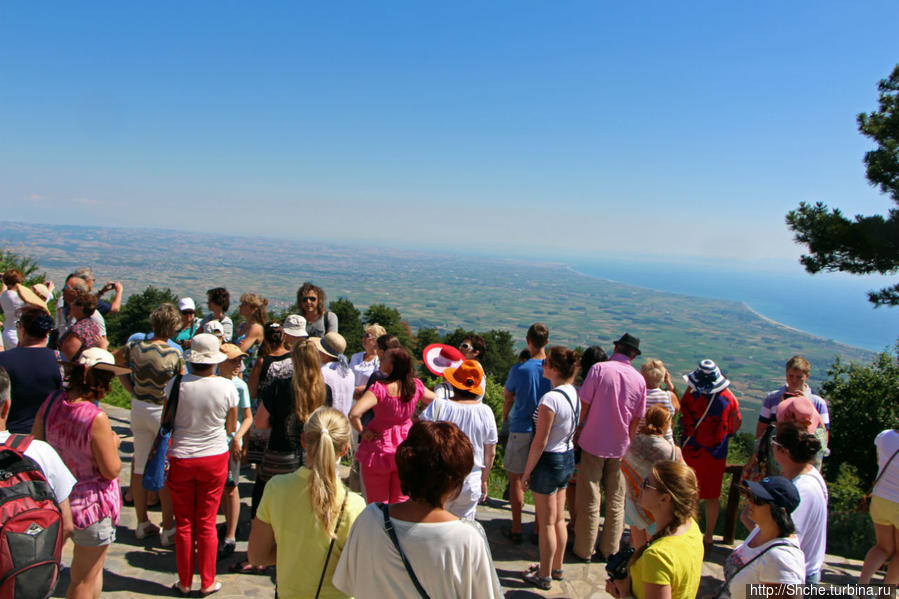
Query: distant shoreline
pixel 755 312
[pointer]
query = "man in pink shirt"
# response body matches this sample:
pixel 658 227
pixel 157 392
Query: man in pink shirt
pixel 613 399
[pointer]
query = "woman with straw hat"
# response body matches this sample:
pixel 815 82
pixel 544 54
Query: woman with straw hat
pixel 80 432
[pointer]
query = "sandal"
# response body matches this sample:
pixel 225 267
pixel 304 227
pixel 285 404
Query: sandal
pixel 215 588
pixel 182 591
pixel 554 574
pixel 535 579
pixel 515 537
pixel 245 567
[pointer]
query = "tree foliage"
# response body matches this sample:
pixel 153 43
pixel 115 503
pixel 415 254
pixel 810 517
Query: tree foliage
pixel 864 400
pixel 27 265
pixel 134 317
pixel 349 322
pixel 863 244
pixel 393 323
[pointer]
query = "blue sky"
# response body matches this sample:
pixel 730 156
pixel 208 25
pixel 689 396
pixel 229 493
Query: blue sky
pixel 683 130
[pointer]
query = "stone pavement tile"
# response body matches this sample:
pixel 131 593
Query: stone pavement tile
pixel 136 569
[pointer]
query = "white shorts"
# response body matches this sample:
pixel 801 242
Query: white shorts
pixel 145 418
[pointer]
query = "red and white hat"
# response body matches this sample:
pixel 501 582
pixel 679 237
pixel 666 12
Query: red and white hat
pixel 438 357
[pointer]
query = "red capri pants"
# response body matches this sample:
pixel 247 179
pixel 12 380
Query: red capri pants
pixel 196 486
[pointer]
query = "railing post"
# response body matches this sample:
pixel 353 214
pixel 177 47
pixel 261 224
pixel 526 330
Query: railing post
pixel 733 503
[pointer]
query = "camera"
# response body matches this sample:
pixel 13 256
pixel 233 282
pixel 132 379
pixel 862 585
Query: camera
pixel 616 564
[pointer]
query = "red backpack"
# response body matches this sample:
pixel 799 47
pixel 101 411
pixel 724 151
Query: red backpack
pixel 31 528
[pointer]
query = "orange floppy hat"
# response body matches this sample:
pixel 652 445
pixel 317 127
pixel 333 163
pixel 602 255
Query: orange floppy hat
pixel 468 376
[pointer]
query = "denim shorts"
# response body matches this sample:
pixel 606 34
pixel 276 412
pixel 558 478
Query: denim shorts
pixel 552 472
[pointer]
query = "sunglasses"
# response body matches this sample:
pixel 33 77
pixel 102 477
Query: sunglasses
pixel 185 312
pixel 754 499
pixel 368 336
pixel 466 347
pixel 646 485
pixel 309 298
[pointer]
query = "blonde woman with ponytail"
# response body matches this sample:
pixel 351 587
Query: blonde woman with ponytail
pixel 670 564
pixel 305 516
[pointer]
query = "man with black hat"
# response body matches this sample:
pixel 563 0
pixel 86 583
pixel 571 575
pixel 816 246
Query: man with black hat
pixel 613 398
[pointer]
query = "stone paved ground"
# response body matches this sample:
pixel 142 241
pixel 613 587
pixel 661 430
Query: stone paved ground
pixel 144 569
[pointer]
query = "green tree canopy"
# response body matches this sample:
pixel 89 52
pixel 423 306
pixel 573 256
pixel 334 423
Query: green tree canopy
pixel 864 244
pixel 390 319
pixel 25 264
pixel 134 317
pixel 864 400
pixel 349 323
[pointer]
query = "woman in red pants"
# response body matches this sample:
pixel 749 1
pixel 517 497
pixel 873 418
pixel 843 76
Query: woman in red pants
pixel 198 465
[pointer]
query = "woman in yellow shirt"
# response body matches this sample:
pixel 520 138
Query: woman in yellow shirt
pixel 669 566
pixel 305 516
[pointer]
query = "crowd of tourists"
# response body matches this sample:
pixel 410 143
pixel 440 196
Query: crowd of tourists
pixel 281 402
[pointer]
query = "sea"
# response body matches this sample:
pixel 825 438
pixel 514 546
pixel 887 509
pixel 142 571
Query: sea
pixel 829 305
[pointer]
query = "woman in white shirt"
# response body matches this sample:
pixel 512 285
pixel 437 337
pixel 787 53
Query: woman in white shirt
pixel 551 463
pixel 417 542
pixel 477 421
pixel 771 554
pixel 885 509
pixel 364 363
pixel 198 461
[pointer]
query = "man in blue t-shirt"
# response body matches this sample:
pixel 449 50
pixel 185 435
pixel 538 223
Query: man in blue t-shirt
pixel 524 387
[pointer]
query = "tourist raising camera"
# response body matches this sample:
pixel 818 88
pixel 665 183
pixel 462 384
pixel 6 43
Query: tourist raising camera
pixel 421 549
pixel 305 517
pixel 670 565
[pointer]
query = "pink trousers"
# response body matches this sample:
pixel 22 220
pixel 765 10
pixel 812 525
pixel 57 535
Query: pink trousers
pixel 196 486
pixel 382 486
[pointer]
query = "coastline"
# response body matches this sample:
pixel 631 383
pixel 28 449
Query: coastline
pixel 744 304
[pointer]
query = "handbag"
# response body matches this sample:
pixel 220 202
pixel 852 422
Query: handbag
pixel 388 527
pixel 157 468
pixel 864 504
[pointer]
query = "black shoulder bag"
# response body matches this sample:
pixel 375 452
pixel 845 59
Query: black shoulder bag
pixel 388 527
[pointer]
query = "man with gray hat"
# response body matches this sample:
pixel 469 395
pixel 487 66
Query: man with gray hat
pixel 613 399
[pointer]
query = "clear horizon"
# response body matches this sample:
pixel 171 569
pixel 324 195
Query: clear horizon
pixel 685 131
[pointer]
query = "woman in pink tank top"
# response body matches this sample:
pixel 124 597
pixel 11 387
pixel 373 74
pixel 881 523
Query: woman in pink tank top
pixel 80 432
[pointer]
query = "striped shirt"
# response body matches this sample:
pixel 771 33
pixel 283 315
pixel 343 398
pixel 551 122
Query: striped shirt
pixel 152 365
pixel 660 397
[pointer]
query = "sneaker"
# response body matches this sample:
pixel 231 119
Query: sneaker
pixel 146 529
pixel 167 538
